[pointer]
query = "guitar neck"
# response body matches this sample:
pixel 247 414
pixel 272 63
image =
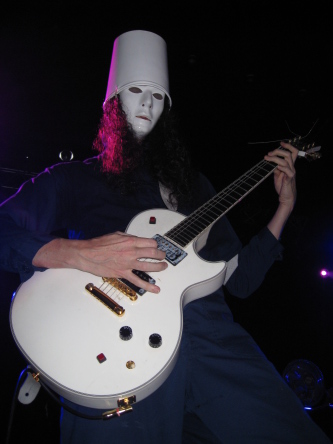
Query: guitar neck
pixel 205 216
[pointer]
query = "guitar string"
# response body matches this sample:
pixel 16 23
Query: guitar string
pixel 111 291
pixel 182 230
pixel 190 228
pixel 178 230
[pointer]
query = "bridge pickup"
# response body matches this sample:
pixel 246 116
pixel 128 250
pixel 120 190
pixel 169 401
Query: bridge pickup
pixel 105 299
pixel 174 254
pixel 142 275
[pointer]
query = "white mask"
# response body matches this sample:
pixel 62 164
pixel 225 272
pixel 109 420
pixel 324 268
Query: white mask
pixel 143 106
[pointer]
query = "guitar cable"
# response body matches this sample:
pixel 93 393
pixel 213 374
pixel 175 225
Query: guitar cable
pixel 13 404
pixel 104 416
pixel 71 410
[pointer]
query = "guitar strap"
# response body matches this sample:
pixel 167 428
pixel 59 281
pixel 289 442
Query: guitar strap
pixel 172 204
pixel 231 267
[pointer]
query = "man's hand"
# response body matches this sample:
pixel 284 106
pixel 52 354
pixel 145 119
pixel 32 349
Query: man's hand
pixel 113 255
pixel 285 174
pixel 285 185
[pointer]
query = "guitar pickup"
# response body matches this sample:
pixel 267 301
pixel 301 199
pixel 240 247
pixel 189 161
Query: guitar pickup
pixel 142 275
pixel 173 254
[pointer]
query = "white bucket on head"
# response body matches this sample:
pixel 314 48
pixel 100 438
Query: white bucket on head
pixel 138 58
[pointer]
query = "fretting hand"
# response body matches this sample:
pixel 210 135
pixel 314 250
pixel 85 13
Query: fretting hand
pixel 285 185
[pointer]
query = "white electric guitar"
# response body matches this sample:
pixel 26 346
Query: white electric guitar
pixel 102 342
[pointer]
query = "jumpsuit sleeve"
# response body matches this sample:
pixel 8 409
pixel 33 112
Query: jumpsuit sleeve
pixel 27 221
pixel 253 260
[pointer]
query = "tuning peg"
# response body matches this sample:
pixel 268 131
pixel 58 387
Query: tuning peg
pixel 311 153
pixel 314 156
pixel 313 149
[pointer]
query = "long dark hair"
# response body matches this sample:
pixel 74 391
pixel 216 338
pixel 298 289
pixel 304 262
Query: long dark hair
pixel 161 153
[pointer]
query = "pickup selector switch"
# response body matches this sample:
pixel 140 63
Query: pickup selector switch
pixel 155 340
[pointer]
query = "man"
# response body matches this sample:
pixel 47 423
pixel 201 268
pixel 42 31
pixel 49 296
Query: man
pixel 221 377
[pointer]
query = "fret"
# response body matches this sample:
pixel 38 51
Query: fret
pixel 193 227
pixel 188 228
pixel 251 182
pixel 196 226
pixel 201 220
pixel 210 214
pixel 221 207
pixel 256 176
pixel 181 240
pixel 231 198
pixel 235 192
pixel 243 188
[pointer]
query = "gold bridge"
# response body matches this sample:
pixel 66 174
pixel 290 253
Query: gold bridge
pixel 123 288
pixel 105 299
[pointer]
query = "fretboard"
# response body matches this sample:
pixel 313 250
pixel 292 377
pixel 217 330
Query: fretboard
pixel 205 216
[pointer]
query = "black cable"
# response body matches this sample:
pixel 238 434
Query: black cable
pixel 13 405
pixel 104 416
pixel 66 407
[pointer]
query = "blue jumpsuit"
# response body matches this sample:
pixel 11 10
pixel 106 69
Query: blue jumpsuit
pixel 221 376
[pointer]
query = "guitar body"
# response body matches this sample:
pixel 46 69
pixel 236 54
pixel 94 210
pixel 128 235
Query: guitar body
pixel 60 328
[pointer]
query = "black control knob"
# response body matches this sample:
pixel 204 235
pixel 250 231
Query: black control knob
pixel 155 340
pixel 125 333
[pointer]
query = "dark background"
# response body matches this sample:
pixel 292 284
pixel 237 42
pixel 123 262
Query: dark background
pixel 242 73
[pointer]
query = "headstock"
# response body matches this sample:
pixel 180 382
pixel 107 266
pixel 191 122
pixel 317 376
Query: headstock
pixel 308 150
